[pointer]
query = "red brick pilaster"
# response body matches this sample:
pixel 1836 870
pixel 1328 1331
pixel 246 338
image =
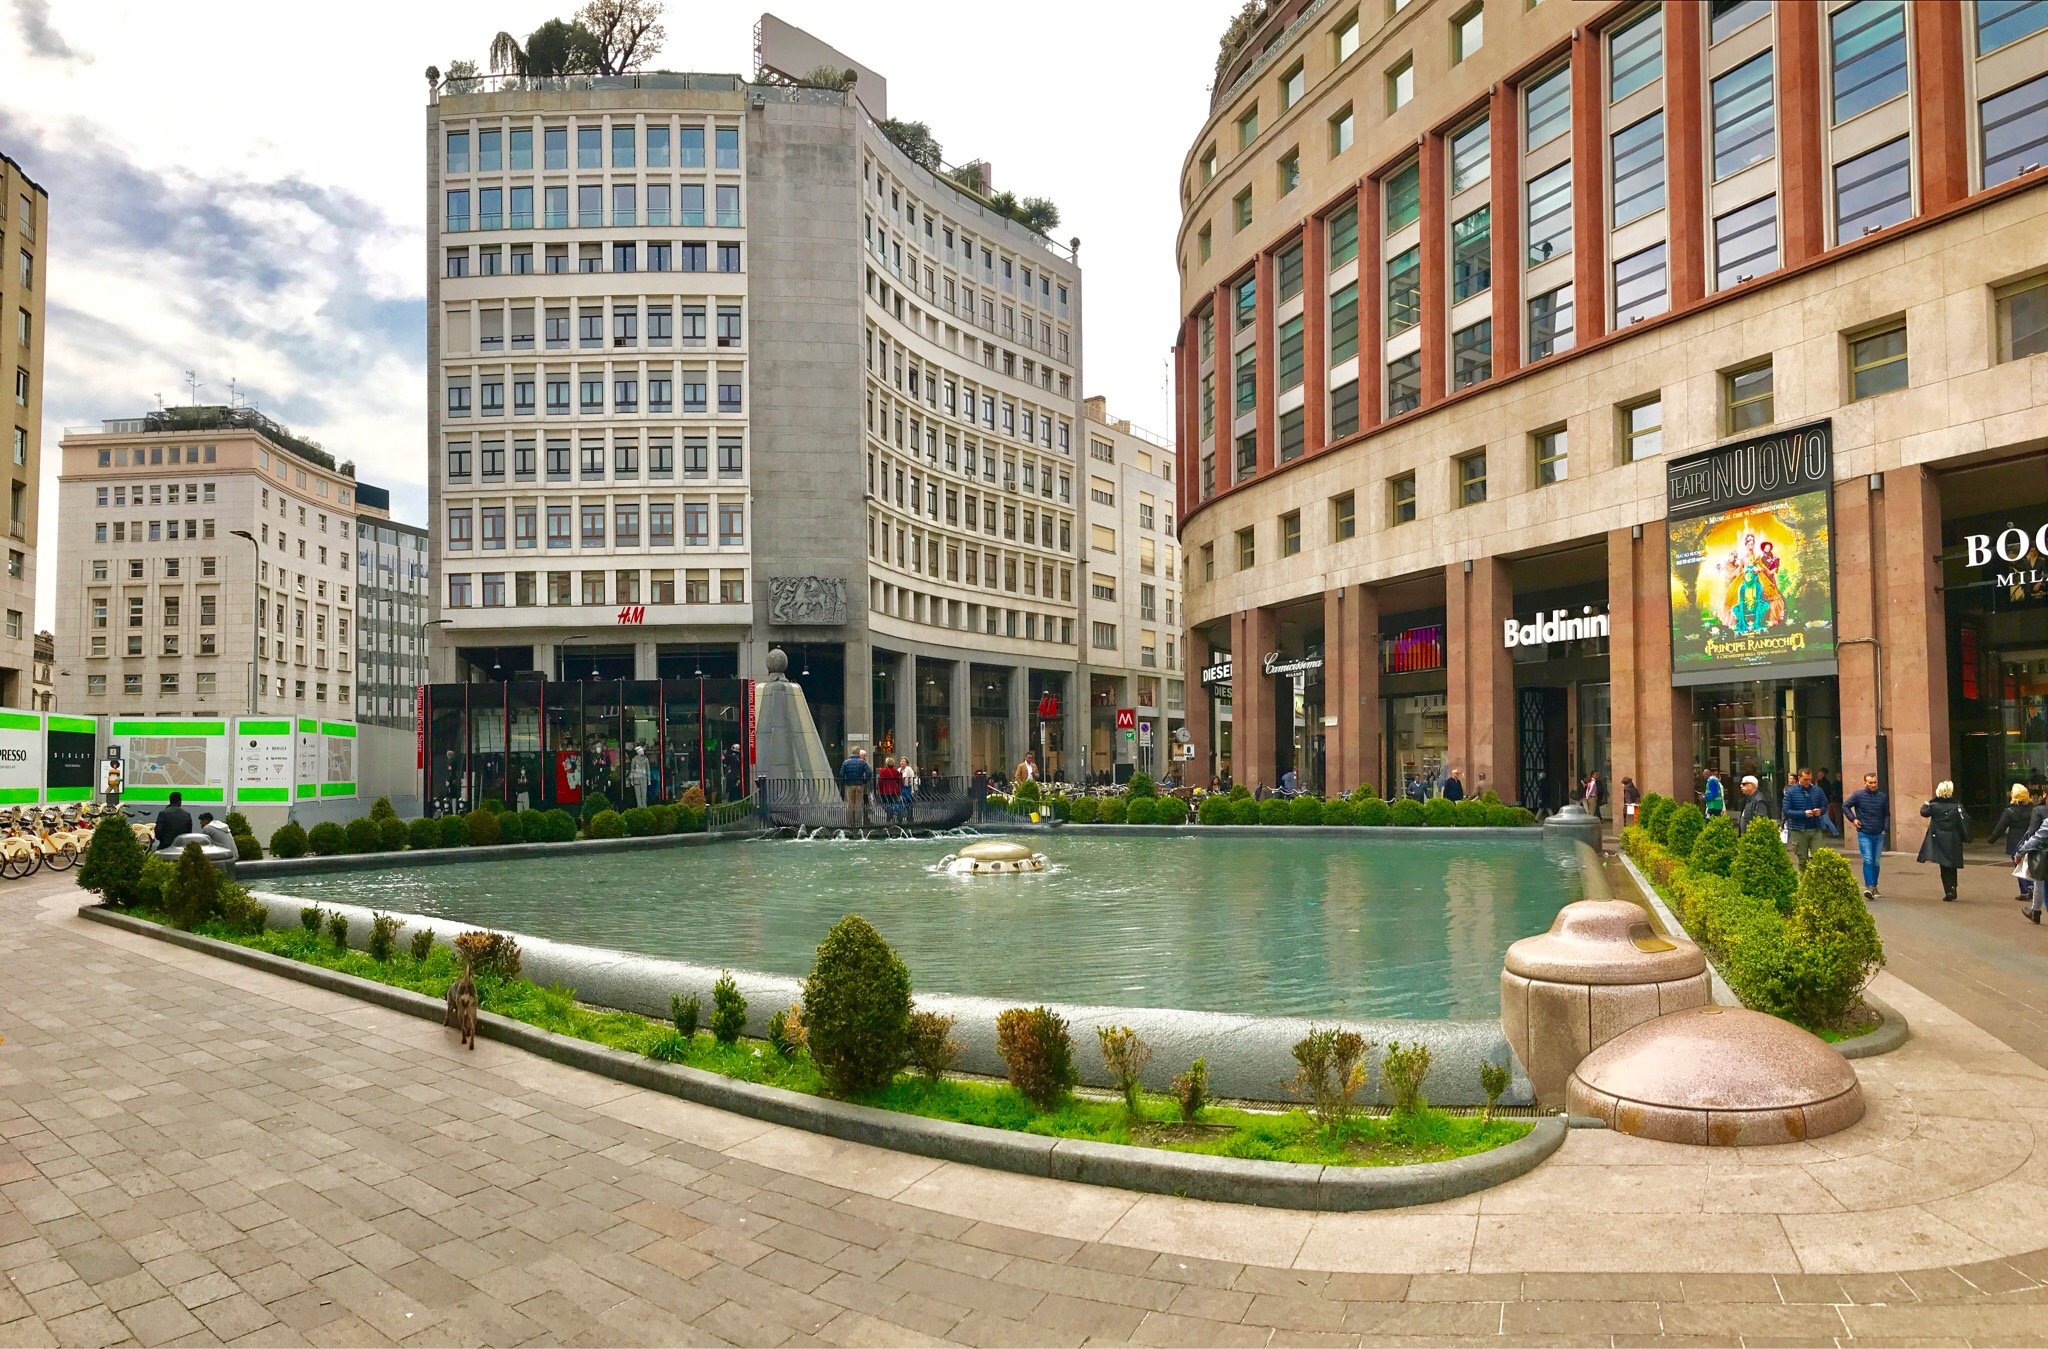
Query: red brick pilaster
pixel 1589 195
pixel 1801 174
pixel 1436 291
pixel 1506 168
pixel 1684 123
pixel 1941 133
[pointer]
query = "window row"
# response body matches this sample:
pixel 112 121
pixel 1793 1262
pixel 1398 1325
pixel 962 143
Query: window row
pixel 532 459
pixel 493 328
pixel 583 525
pixel 942 558
pixel 655 255
pixel 680 204
pixel 598 395
pixel 631 146
pixel 206 684
pixel 559 589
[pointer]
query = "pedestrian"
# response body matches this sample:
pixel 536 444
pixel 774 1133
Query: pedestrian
pixel 910 781
pixel 2011 830
pixel 1454 787
pixel 1027 769
pixel 1803 806
pixel 853 782
pixel 1870 810
pixel 1590 798
pixel 1289 783
pixel 1631 797
pixel 1715 795
pixel 889 786
pixel 1948 828
pixel 2034 847
pixel 1755 805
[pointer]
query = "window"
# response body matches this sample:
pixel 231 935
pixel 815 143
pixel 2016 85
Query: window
pixel 1241 210
pixel 1641 286
pixel 1343 517
pixel 1288 372
pixel 1550 449
pixel 1471 254
pixel 1638 159
pixel 1642 429
pixel 1472 354
pixel 1635 55
pixel 1471 155
pixel 1343 130
pixel 727 143
pixel 1742 116
pixel 1344 324
pixel 1745 243
pixel 1293 85
pixel 1550 214
pixel 1877 361
pixel 1400 84
pixel 1247 552
pixel 458 152
pixel 1343 232
pixel 1293 435
pixel 1404 384
pixel 1209 164
pixel 1403 188
pixel 2016 128
pixel 1401 499
pixel 1247 378
pixel 732 524
pixel 1547 106
pixel 1205 243
pixel 1290 171
pixel 1248 127
pixel 1873 190
pixel 1343 410
pixel 1550 323
pixel 1732 16
pixel 1746 393
pixel 1868 44
pixel 2003 21
pixel 1468 32
pixel 1344 39
pixel 2023 319
pixel 1404 290
pixel 1103 635
pixel 1290 534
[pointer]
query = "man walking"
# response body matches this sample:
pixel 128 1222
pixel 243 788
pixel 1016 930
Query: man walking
pixel 1454 787
pixel 1804 805
pixel 1715 796
pixel 853 781
pixel 1870 810
pixel 1755 805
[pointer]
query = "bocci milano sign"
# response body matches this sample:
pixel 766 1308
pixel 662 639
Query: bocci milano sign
pixel 1559 625
pixel 2012 547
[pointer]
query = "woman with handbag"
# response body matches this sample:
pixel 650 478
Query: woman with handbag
pixel 2011 830
pixel 1948 827
pixel 2034 855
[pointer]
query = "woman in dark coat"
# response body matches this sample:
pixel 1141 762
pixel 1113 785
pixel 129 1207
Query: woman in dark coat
pixel 2011 831
pixel 1948 825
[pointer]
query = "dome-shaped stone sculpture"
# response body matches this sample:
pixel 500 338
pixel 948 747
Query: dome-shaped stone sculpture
pixel 1724 1076
pixel 994 858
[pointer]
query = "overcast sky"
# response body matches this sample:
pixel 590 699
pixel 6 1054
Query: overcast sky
pixel 238 189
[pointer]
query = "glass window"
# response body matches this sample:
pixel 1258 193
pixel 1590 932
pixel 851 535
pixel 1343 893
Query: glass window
pixel 1343 517
pixel 1471 254
pixel 1549 447
pixel 1635 55
pixel 555 147
pixel 522 148
pixel 1550 214
pixel 1472 479
pixel 1241 210
pixel 1248 127
pixel 1293 436
pixel 1344 41
pixel 1745 243
pixel 1873 190
pixel 657 147
pixel 1404 290
pixel 692 148
pixel 726 141
pixel 1638 157
pixel 458 152
pixel 624 147
pixel 1401 499
pixel 457 217
pixel 1547 106
pixel 1403 188
pixel 1344 324
pixel 1732 16
pixel 1747 396
pixel 1641 286
pixel 1400 84
pixel 1550 323
pixel 1287 272
pixel 1642 429
pixel 1343 130
pixel 1288 363
pixel 1293 85
pixel 1742 116
pixel 1245 302
pixel 2023 319
pixel 2003 21
pixel 1472 354
pixel 1868 43
pixel 1471 153
pixel 1343 410
pixel 1468 32
pixel 1404 384
pixel 589 147
pixel 2015 128
pixel 1247 549
pixel 1247 378
pixel 1877 362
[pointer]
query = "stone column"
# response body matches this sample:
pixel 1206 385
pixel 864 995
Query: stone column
pixel 1023 726
pixel 1941 114
pixel 1858 601
pixel 960 720
pixel 1506 229
pixel 1800 169
pixel 906 706
pixel 859 694
pixel 1589 209
pixel 1198 711
pixel 1912 648
pixel 1251 699
pixel 1652 721
pixel 1481 677
pixel 1687 191
pixel 1074 717
pixel 1351 686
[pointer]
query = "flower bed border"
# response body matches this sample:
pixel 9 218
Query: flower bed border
pixel 1295 1185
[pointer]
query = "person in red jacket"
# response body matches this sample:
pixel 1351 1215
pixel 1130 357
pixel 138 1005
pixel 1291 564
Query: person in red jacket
pixel 889 786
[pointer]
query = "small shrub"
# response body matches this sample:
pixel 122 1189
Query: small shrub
pixel 193 895
pixel 483 827
pixel 1713 852
pixel 1340 811
pixel 1240 792
pixel 513 826
pixel 1682 829
pixel 454 831
pixel 639 821
pixel 670 1048
pixel 693 796
pixel 154 883
pixel 237 823
pixel 423 833
pixel 605 824
pixel 1085 810
pixel 1142 810
pixel 422 942
pixel 1835 944
pixel 241 911
pixel 1403 1068
pixel 363 835
pixel 1473 812
pixel 551 826
pixel 312 917
pixel 247 849
pixel 690 819
pixel 1124 1055
pixel 664 819
pixel 489 953
pixel 288 840
pixel 933 1050
pixel 1363 793
pixel 1648 809
pixel 728 1010
pixel 494 805
pixel 1659 823
pixel 1406 812
pixel 337 930
pixel 1331 1069
pixel 595 804
pixel 1439 813
pixel 327 839
pixel 384 929
pixel 381 809
pixel 1276 810
pixel 1173 810
pixel 391 834
pixel 1762 867
pixel 1025 796
pixel 857 1008
pixel 786 1032
pixel 1039 1054
pixel 1215 809
pixel 1112 810
pixel 1493 1080
pixel 1140 785
pixel 1191 1090
pixel 1374 811
pixel 684 1012
pixel 1062 809
pixel 1304 810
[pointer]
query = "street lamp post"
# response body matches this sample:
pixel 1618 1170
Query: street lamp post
pixel 255 622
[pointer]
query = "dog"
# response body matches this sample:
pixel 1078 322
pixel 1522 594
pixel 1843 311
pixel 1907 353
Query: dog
pixel 462 1007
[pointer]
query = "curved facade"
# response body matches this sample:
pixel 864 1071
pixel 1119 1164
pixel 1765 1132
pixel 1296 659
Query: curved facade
pixel 1513 332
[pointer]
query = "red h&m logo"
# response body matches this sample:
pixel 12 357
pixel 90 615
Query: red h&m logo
pixel 633 613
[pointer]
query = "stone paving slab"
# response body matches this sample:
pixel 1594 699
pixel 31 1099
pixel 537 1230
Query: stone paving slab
pixel 195 1153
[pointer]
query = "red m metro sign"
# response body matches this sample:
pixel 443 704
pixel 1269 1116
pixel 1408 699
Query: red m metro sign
pixel 1127 718
pixel 633 613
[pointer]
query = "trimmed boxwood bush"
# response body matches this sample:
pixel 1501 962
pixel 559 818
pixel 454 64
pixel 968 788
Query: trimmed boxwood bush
pixel 1439 813
pixel 1713 852
pixel 1374 811
pixel 1140 785
pixel 423 833
pixel 1762 867
pixel 1305 810
pixel 857 1008
pixel 1340 811
pixel 287 840
pixel 553 826
pixel 483 828
pixel 1142 810
pixel 1406 812
pixel 381 809
pixel 606 824
pixel 593 805
pixel 362 835
pixel 390 833
pixel 1363 793
pixel 454 831
pixel 1062 808
pixel 664 819
pixel 689 819
pixel 1214 809
pixel 1274 810
pixel 639 821
pixel 512 826
pixel 113 862
pixel 1682 829
pixel 1834 943
pixel 327 839
pixel 1111 810
pixel 1085 810
pixel 247 849
pixel 1172 810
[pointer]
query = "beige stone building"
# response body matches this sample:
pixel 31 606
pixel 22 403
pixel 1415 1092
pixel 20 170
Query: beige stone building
pixel 1620 389
pixel 198 543
pixel 24 266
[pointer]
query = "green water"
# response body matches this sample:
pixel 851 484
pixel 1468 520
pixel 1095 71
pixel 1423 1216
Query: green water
pixel 1310 926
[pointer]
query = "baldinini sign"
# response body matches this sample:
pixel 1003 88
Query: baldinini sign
pixel 1559 625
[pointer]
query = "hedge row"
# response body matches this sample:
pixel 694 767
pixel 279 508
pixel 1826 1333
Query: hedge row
pixel 382 831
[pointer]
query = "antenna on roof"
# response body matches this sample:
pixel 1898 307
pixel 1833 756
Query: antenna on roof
pixel 234 394
pixel 192 383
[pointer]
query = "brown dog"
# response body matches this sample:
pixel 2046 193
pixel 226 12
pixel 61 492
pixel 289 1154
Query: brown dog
pixel 462 1007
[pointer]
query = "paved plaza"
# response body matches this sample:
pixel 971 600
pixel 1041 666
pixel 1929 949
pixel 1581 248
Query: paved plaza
pixel 195 1153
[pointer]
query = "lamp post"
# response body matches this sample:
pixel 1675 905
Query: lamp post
pixel 255 622
pixel 561 660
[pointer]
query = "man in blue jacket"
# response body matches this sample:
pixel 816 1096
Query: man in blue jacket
pixel 1803 806
pixel 854 776
pixel 1870 810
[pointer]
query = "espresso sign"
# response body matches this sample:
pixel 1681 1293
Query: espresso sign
pixel 1782 464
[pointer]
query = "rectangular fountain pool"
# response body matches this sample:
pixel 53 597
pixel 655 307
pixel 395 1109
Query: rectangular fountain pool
pixel 1317 925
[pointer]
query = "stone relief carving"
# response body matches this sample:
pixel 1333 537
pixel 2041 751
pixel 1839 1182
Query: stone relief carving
pixel 806 601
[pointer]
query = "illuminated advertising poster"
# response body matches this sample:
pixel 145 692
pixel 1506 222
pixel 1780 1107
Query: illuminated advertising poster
pixel 1752 560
